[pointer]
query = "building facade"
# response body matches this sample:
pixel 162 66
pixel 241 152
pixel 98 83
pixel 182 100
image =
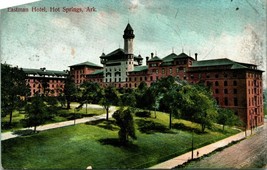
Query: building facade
pixel 45 82
pixel 235 85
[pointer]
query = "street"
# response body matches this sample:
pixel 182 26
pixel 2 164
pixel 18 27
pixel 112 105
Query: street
pixel 249 153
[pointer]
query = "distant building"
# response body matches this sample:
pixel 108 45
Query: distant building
pixel 45 82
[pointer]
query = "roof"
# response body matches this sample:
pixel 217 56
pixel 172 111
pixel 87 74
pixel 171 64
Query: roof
pixel 44 72
pixel 156 58
pixel 173 56
pixel 87 63
pixel 118 51
pixel 97 72
pixel 222 62
pixel 214 62
pixel 169 57
pixel 140 68
pixel 128 28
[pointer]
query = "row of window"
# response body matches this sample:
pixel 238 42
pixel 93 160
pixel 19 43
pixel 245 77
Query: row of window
pixel 252 101
pixel 225 83
pixel 225 91
pixel 226 101
pixel 254 83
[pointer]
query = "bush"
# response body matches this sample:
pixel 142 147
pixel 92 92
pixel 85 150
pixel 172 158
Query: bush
pixel 143 114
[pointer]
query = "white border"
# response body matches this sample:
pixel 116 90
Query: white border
pixel 9 3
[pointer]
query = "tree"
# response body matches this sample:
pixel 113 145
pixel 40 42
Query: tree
pixel 69 90
pixel 166 95
pixel 109 97
pixel 91 92
pixel 128 99
pixel 199 105
pixel 227 117
pixel 13 89
pixel 124 120
pixel 172 101
pixel 36 112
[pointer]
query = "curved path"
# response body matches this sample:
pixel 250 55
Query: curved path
pixel 9 135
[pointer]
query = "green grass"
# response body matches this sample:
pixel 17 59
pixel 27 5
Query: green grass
pixel 62 115
pixel 95 144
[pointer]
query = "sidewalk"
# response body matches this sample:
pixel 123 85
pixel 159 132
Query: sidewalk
pixel 179 160
pixel 9 135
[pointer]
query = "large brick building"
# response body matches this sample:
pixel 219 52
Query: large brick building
pixel 45 82
pixel 235 85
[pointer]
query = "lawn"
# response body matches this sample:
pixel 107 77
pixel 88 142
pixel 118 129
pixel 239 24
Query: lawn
pixel 95 144
pixel 61 115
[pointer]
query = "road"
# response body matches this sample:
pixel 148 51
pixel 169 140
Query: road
pixel 249 153
pixel 9 135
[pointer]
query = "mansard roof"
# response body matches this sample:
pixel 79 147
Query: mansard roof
pixel 87 63
pixel 116 52
pixel 170 57
pixel 44 72
pixel 156 58
pixel 223 62
pixel 97 72
pixel 140 68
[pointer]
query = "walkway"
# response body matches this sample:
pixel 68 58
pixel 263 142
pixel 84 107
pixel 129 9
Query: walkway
pixel 9 135
pixel 179 160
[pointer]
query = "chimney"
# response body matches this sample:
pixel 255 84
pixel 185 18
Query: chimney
pixel 147 59
pixel 152 54
pixel 196 56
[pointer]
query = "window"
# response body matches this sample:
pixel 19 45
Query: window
pixel 225 75
pixel 151 78
pixel 141 79
pixel 225 91
pixel 216 91
pixel 216 83
pixel 235 83
pixel 157 71
pixel 216 75
pixel 226 101
pixel 163 71
pixel 217 100
pixel 208 75
pixel 225 83
pixel 235 102
pixel 170 70
pixel 235 91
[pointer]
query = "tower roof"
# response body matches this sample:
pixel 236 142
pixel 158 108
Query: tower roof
pixel 128 28
pixel 128 32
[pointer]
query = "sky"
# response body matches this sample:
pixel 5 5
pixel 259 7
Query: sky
pixel 234 29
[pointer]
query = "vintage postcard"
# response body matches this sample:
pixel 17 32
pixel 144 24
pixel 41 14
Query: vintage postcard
pixel 134 84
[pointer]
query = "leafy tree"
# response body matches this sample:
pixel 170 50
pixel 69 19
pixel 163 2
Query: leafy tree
pixel 109 97
pixel 172 101
pixel 227 117
pixel 91 92
pixel 70 90
pixel 36 112
pixel 199 105
pixel 124 120
pixel 166 96
pixel 13 89
pixel 128 99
